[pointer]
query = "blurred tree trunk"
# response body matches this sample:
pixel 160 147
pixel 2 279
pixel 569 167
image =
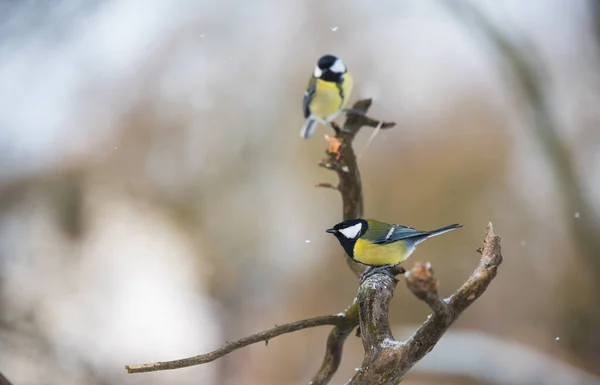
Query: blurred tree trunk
pixel 580 293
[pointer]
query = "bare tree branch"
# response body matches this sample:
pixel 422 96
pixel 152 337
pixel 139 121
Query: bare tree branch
pixel 386 360
pixel 339 320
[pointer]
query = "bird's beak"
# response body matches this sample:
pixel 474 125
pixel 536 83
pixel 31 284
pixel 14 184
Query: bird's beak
pixel 330 231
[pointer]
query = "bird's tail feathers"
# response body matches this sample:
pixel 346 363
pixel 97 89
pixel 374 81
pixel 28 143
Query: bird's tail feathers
pixel 443 230
pixel 418 238
pixel 308 129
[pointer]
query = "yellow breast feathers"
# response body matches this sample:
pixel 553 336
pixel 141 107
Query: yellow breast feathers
pixel 327 101
pixel 380 255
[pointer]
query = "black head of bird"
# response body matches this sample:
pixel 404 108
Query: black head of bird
pixel 330 68
pixel 348 232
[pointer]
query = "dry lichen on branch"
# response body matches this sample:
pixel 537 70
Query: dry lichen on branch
pixel 386 360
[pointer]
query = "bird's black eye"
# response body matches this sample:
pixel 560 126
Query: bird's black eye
pixel 326 61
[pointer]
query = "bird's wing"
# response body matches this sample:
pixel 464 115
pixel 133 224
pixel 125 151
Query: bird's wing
pixel 308 96
pixel 381 233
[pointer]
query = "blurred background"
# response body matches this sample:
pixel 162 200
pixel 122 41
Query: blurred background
pixel 156 199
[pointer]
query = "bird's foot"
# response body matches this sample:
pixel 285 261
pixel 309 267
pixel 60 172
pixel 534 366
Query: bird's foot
pixel 390 271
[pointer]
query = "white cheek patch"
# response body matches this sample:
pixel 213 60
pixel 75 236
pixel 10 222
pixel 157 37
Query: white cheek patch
pixel 338 67
pixel 352 231
pixel 318 72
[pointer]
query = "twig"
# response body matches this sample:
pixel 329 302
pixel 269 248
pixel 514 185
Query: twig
pixel 327 185
pixel 341 319
pixel 386 360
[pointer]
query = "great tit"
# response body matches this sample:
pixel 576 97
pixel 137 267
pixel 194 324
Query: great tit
pixel 380 244
pixel 327 94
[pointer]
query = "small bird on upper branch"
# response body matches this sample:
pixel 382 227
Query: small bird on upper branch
pixel 327 94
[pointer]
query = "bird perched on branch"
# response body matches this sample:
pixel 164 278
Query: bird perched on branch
pixel 327 94
pixel 381 245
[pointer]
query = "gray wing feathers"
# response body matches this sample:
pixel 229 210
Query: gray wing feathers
pixel 411 235
pixel 310 124
pixel 398 233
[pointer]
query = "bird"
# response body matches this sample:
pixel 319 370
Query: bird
pixel 381 245
pixel 327 93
